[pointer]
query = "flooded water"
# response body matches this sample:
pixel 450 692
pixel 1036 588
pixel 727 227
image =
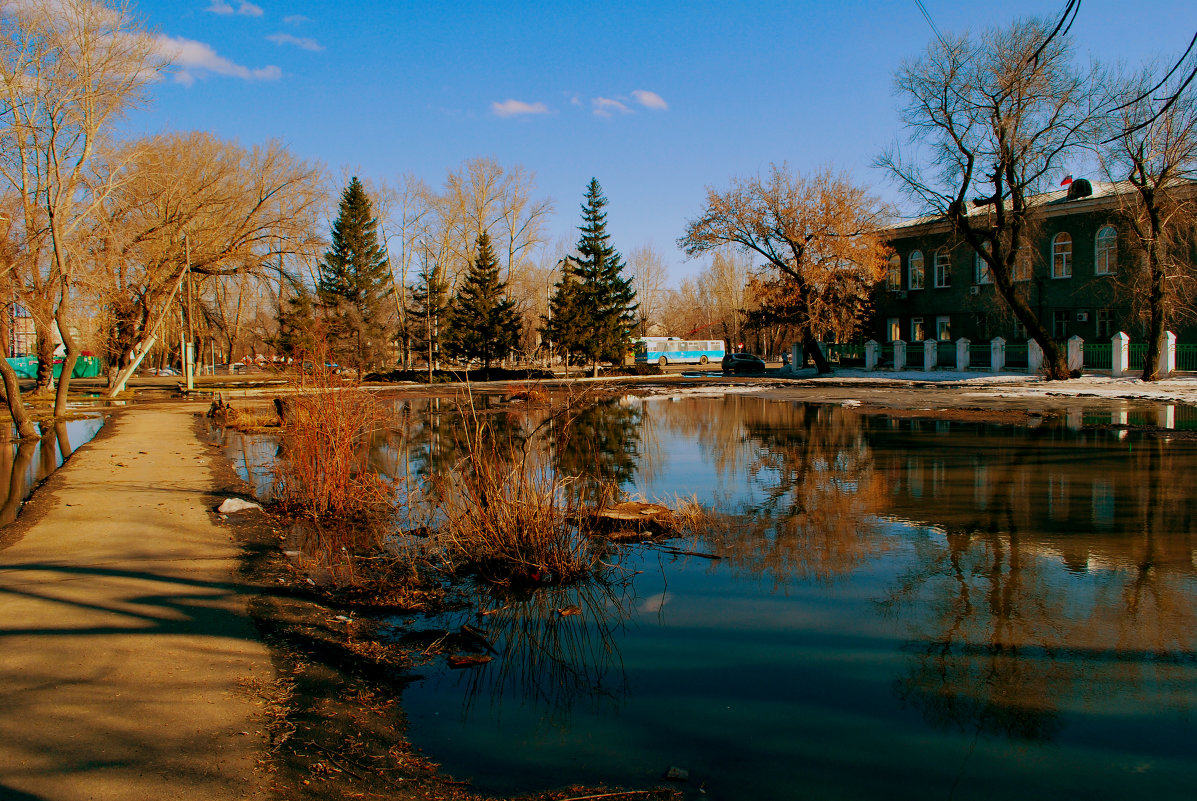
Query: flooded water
pixel 900 609
pixel 28 462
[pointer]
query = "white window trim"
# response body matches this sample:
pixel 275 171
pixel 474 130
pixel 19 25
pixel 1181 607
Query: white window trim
pixel 1110 251
pixel 944 257
pixel 1065 257
pixel 910 270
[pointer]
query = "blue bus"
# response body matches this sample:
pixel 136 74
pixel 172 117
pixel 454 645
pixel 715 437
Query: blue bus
pixel 672 350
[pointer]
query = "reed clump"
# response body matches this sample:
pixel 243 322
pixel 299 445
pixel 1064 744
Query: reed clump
pixel 323 470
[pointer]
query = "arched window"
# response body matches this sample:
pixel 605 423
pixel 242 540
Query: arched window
pixel 943 268
pixel 1106 251
pixel 1062 256
pixel 893 275
pixel 916 270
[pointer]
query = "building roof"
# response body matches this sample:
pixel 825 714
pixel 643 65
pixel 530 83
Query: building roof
pixel 1054 203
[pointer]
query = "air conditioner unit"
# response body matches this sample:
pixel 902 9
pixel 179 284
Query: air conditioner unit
pixel 974 290
pixel 1082 317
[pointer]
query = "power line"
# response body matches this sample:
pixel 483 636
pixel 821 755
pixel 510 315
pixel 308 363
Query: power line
pixel 930 22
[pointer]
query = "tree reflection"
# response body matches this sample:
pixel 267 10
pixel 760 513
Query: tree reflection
pixel 557 647
pixel 820 493
pixel 600 444
pixel 1000 633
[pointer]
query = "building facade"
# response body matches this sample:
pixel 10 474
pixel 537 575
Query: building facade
pixel 1071 272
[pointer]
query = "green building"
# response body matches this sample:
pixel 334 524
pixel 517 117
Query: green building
pixel 1072 271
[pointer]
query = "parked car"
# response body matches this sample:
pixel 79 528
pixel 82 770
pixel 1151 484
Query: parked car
pixel 743 363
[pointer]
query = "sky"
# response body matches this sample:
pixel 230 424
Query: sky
pixel 657 100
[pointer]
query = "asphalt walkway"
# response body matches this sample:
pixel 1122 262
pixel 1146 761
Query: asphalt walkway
pixel 127 660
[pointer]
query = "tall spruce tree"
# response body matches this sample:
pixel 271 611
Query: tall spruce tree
pixel 606 300
pixel 354 283
pixel 483 323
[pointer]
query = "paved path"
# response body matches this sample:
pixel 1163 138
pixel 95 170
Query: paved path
pixel 126 657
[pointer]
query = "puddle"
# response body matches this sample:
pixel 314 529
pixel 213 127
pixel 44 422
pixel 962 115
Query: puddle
pixel 902 608
pixel 27 463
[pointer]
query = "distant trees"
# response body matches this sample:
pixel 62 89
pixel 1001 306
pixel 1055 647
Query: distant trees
pixel 483 323
pixel 429 306
pixel 593 307
pixel 989 117
pixel 819 236
pixel 354 284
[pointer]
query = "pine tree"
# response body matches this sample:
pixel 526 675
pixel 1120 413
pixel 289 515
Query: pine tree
pixel 564 327
pixel 429 307
pixel 354 283
pixel 297 327
pixel 606 299
pixel 483 323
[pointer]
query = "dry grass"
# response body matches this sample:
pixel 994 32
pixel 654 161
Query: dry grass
pixel 323 471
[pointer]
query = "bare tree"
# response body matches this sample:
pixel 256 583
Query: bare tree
pixel 193 207
pixel 1151 144
pixel 819 234
pixel 989 117
pixel 68 70
pixel 648 279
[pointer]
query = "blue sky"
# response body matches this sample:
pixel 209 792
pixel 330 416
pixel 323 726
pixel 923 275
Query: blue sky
pixel 656 99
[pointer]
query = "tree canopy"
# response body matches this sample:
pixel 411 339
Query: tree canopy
pixel 483 322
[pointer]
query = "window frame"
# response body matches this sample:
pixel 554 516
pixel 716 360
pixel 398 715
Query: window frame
pixel 893 273
pixel 1105 254
pixel 917 326
pixel 982 275
pixel 910 270
pixel 942 268
pixel 1061 257
pixel 942 322
pixel 893 327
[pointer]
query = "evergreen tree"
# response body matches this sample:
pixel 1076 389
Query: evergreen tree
pixel 564 328
pixel 483 323
pixel 606 300
pixel 429 307
pixel 354 283
pixel 297 326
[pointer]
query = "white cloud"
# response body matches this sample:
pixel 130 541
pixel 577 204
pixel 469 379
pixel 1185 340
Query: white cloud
pixel 605 106
pixel 514 108
pixel 650 99
pixel 295 19
pixel 192 58
pixel 299 41
pixel 246 9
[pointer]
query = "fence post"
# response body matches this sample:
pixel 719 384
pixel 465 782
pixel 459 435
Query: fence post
pixel 1034 357
pixel 871 348
pixel 899 355
pixel 1076 353
pixel 962 354
pixel 1119 354
pixel 1167 354
pixel 997 354
pixel 930 354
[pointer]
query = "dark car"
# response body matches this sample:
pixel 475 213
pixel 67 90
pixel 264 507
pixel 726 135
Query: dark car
pixel 743 363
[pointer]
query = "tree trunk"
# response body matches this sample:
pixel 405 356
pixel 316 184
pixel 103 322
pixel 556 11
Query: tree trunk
pixel 1155 333
pixel 45 357
pixel 72 353
pixel 12 393
pixel 810 346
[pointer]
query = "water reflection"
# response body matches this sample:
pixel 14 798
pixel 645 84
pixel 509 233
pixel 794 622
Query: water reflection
pixel 28 462
pixel 894 595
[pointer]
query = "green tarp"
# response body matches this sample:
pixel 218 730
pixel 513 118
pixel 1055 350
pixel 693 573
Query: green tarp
pixel 85 367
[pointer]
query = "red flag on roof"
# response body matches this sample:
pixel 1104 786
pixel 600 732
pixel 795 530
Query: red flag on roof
pixel 1067 180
